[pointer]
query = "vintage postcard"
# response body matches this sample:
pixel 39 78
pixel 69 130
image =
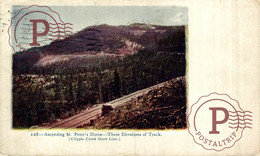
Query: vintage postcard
pixel 130 78
pixel 68 75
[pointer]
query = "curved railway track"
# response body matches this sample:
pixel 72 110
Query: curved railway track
pixel 94 112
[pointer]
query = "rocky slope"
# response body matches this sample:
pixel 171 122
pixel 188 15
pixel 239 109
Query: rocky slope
pixel 162 108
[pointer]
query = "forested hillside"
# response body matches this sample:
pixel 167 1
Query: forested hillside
pixel 91 46
pixel 60 89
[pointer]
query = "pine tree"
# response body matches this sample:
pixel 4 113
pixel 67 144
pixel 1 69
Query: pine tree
pixel 100 92
pixel 135 85
pixel 80 93
pixel 116 85
pixel 70 94
pixel 58 89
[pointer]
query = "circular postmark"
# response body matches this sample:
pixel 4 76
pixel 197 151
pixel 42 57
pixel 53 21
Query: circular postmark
pixel 217 121
pixel 37 33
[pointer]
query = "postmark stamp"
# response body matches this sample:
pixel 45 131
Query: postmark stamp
pixel 217 121
pixel 34 27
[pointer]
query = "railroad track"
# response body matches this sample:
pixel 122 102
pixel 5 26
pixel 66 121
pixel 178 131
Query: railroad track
pixel 92 113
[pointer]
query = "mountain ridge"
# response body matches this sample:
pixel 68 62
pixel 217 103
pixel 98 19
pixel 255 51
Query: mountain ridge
pixel 104 41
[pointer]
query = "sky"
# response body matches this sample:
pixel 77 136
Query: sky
pixel 84 16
